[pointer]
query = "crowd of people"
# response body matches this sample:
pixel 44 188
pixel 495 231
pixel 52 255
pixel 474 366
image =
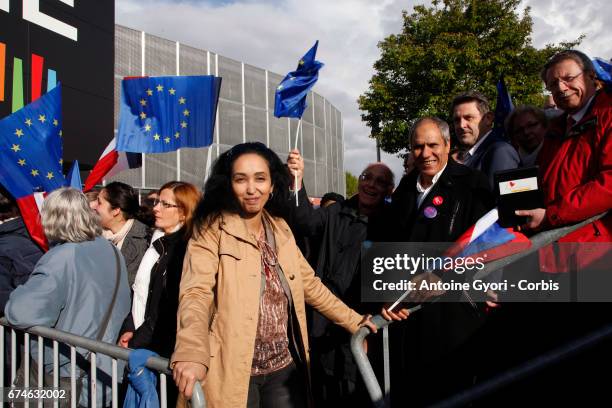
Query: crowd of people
pixel 256 297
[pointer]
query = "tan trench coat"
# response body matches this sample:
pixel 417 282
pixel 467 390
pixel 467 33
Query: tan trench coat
pixel 219 304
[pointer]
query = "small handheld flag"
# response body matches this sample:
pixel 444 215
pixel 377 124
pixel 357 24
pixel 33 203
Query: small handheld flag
pixel 503 107
pixel 290 96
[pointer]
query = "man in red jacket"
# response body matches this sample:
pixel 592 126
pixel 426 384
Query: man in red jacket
pixel 576 157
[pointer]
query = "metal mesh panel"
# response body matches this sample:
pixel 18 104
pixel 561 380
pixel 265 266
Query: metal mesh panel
pixel 340 163
pixel 318 110
pixel 159 169
pixel 307 141
pixel 213 65
pixel 334 124
pixel 320 150
pixel 193 165
pixel 308 117
pixel 132 177
pixel 278 134
pixel 328 118
pixel 273 81
pixel 191 61
pixel 254 86
pixel 224 148
pixel 160 56
pixel 321 180
pixel 255 120
pixel 335 183
pixel 230 126
pixel 333 146
pixel 231 72
pixel 309 175
pixel 127 51
pixel 330 184
pixel 116 100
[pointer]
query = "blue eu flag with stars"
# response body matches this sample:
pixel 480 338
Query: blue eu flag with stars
pixel 290 97
pixel 31 147
pixel 163 114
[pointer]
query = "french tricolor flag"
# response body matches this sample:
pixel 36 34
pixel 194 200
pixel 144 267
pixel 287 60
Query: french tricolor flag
pixel 487 237
pixel 112 162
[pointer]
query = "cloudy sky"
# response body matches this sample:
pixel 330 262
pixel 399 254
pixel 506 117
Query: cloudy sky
pixel 273 34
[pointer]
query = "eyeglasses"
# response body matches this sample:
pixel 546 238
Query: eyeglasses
pixel 552 85
pixel 164 204
pixel 378 181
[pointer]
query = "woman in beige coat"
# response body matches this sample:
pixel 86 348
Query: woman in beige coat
pixel 242 319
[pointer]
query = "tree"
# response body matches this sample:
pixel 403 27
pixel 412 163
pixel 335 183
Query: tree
pixel 446 49
pixel 351 184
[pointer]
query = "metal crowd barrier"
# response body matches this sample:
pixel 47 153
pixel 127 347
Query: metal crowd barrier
pixel 379 398
pixel 116 353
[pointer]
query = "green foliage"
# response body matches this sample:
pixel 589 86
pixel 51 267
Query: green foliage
pixel 351 184
pixel 446 49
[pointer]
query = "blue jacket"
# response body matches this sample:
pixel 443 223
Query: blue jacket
pixel 18 255
pixel 493 155
pixel 70 290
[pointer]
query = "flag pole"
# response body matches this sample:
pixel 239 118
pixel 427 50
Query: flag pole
pixel 295 146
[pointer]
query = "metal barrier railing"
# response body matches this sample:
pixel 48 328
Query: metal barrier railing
pixel 73 341
pixel 380 399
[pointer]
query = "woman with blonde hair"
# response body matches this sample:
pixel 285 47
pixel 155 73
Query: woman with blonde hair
pixel 80 286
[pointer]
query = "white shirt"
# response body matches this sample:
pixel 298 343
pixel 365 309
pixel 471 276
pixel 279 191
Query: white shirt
pixel 141 282
pixel 422 191
pixel 478 143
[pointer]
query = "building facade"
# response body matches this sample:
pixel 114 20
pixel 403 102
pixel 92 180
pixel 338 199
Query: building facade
pixel 245 113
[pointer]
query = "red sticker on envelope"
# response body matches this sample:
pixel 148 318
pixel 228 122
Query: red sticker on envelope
pixel 438 200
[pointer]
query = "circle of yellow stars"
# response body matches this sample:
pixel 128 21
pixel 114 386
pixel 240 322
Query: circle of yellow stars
pixel 143 115
pixel 19 133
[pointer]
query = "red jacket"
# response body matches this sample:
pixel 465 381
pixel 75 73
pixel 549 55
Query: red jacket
pixel 576 172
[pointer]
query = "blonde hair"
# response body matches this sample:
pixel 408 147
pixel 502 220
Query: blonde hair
pixel 66 217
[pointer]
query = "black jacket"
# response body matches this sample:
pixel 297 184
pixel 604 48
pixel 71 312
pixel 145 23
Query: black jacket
pixel 18 255
pixel 465 196
pixel 342 230
pixel 437 340
pixel 158 331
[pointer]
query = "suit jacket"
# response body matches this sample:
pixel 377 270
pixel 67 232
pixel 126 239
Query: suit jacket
pixel 465 196
pixel 433 335
pixel 493 155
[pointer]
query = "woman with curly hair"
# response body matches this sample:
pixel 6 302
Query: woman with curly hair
pixel 241 319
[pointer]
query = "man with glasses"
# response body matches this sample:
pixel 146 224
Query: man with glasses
pixel 340 229
pixel 576 172
pixel 481 149
pixel 576 157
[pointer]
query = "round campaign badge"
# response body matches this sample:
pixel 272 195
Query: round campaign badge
pixel 438 200
pixel 430 212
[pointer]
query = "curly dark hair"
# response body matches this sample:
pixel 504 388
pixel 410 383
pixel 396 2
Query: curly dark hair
pixel 218 193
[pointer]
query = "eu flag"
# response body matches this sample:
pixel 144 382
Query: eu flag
pixel 503 107
pixel 31 147
pixel 31 156
pixel 163 114
pixel 290 97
